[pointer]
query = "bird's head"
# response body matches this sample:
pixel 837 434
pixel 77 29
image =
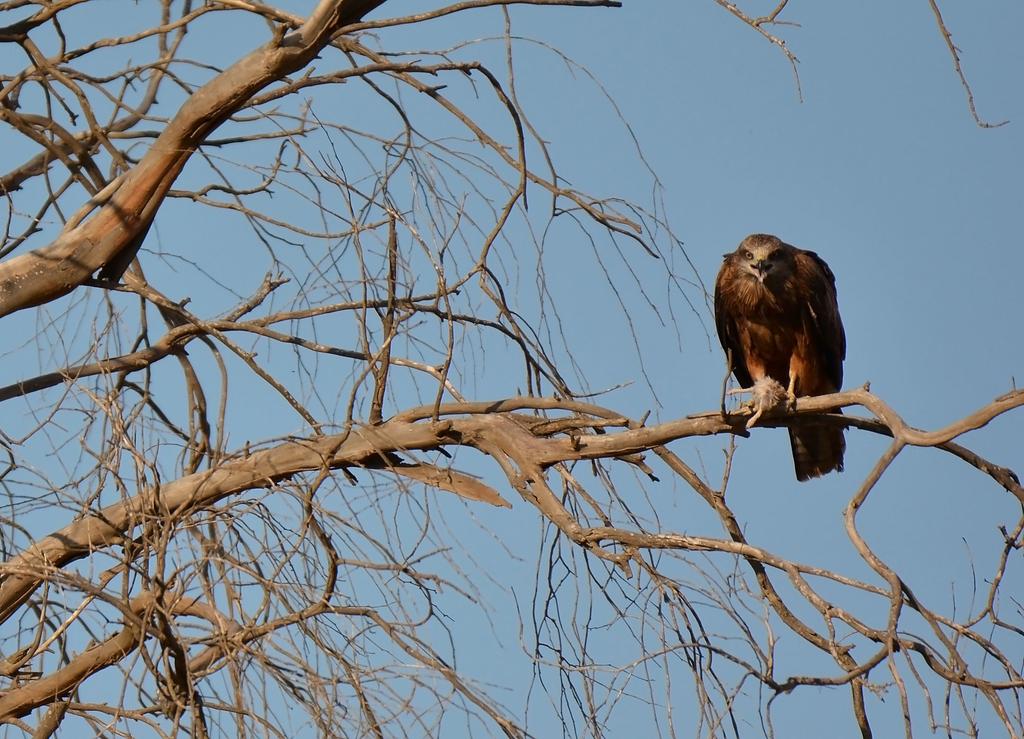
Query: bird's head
pixel 764 258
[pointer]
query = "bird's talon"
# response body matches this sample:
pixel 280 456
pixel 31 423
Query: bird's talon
pixel 753 419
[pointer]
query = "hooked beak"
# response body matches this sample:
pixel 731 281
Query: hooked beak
pixel 762 267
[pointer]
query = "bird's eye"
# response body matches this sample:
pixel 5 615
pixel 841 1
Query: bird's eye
pixel 747 255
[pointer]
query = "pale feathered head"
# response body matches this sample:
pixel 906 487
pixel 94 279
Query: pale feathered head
pixel 764 258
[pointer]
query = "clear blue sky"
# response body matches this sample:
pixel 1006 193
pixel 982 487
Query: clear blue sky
pixel 880 169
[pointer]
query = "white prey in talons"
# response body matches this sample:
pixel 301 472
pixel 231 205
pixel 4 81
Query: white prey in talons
pixel 765 396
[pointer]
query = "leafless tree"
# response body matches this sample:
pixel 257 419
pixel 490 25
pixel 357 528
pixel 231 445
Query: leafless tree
pixel 249 486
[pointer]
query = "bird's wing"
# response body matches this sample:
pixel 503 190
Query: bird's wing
pixel 822 320
pixel 725 321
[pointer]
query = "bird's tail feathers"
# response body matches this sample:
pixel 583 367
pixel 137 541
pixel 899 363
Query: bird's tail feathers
pixel 817 448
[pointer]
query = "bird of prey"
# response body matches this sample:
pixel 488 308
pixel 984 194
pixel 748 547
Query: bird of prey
pixel 778 321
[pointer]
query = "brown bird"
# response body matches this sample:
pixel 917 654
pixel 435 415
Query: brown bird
pixel 778 321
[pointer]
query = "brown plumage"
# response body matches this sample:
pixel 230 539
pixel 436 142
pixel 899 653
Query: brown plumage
pixel 778 318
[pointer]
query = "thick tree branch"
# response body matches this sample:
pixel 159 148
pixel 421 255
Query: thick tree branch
pixel 490 427
pixel 109 237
